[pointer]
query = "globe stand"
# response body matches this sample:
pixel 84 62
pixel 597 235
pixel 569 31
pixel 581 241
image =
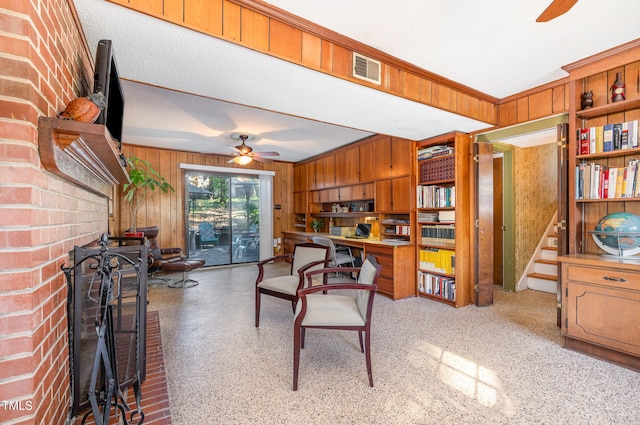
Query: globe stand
pixel 617 251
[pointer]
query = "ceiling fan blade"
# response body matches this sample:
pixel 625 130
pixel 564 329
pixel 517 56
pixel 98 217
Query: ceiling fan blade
pixel 265 153
pixel 259 159
pixel 555 9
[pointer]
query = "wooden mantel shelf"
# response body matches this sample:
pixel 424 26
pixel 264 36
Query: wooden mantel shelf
pixel 82 153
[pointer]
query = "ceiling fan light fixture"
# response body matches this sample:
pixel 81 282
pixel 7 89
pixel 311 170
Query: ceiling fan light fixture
pixel 242 159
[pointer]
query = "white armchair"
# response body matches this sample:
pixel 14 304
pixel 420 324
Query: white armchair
pixel 318 307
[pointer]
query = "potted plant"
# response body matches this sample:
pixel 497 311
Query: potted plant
pixel 316 225
pixel 143 179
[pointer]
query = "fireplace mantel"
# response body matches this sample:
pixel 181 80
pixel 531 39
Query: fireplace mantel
pixel 82 153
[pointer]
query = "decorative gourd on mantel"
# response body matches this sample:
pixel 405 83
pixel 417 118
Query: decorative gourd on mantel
pixel 83 153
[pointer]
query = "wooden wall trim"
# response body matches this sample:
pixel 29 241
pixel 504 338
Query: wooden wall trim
pixel 351 44
pixel 400 78
pixel 616 56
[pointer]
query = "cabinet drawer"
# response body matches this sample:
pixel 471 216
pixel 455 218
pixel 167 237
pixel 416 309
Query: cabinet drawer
pixel 605 277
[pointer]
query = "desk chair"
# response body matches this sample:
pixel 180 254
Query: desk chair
pixel 339 255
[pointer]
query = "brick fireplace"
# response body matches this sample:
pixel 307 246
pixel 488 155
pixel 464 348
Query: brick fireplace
pixel 45 63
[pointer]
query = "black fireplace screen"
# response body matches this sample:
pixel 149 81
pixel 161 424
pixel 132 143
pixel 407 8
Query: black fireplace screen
pixel 107 324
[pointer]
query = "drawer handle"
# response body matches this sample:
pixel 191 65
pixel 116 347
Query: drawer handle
pixel 615 279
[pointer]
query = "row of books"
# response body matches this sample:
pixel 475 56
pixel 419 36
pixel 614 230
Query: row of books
pixel 436 196
pixel 438 234
pixel 607 138
pixel 438 260
pixel 434 151
pixel 400 229
pixel 440 286
pixel 597 181
pixel 437 169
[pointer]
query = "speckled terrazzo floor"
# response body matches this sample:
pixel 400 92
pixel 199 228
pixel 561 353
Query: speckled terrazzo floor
pixel 432 364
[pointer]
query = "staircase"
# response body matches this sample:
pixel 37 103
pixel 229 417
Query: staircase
pixel 542 273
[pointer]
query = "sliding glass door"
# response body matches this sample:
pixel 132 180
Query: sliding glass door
pixel 222 217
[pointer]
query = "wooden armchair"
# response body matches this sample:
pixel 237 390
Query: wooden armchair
pixel 318 307
pixel 306 256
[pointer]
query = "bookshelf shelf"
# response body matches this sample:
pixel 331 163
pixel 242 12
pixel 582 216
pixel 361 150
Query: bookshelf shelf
pixel 611 108
pixel 611 154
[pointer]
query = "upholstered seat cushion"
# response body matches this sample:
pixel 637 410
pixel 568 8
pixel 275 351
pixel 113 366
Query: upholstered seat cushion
pixel 283 284
pixel 331 310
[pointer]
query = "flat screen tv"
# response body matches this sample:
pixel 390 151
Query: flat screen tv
pixel 106 80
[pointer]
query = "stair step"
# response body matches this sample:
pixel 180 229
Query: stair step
pixel 546 266
pixel 549 252
pixel 542 282
pixel 543 276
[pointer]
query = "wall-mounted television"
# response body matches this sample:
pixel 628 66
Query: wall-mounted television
pixel 106 80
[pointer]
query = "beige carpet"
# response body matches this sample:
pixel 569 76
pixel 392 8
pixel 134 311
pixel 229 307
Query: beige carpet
pixel 432 364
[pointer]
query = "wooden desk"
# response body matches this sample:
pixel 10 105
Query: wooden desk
pixel 398 276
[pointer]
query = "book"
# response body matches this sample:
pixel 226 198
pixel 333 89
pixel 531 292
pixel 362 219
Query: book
pixel 583 137
pixel 613 176
pixel 617 137
pixel 599 139
pixel 607 138
pixel 592 140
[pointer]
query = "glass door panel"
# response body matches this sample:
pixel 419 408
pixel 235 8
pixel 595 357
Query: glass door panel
pixel 222 214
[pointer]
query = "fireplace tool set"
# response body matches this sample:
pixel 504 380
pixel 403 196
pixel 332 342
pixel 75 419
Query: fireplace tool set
pixel 117 333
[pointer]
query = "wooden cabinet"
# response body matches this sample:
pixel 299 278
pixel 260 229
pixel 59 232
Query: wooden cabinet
pixel 300 177
pixel 300 202
pixel 443 223
pixel 393 157
pixel 348 166
pixel 329 170
pixel 397 274
pixel 366 161
pixel 601 307
pixel 394 195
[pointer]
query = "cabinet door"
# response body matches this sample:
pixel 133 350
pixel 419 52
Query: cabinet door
pixel 300 202
pixel 366 160
pixel 401 162
pixel 383 195
pixel 300 178
pixel 347 166
pixel 382 158
pixel 346 193
pixel 401 194
pixel 330 195
pixel 360 192
pixel 312 175
pixel 329 174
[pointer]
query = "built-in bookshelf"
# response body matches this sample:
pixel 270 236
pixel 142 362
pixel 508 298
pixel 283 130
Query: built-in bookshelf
pixel 603 156
pixel 442 219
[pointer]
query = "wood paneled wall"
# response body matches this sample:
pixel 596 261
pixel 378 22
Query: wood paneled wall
pixel 167 210
pixel 540 102
pixel 264 28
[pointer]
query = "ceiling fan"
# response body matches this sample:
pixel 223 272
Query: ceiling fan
pixel 244 154
pixel 555 9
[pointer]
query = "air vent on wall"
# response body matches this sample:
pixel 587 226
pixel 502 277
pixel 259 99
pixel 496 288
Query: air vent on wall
pixel 366 68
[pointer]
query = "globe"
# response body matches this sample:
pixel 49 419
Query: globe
pixel 623 222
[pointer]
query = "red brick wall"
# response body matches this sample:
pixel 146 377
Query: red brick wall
pixel 44 63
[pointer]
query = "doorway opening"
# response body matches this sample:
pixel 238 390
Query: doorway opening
pixel 222 215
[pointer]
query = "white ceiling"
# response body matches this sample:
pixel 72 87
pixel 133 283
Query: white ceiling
pixel 187 91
